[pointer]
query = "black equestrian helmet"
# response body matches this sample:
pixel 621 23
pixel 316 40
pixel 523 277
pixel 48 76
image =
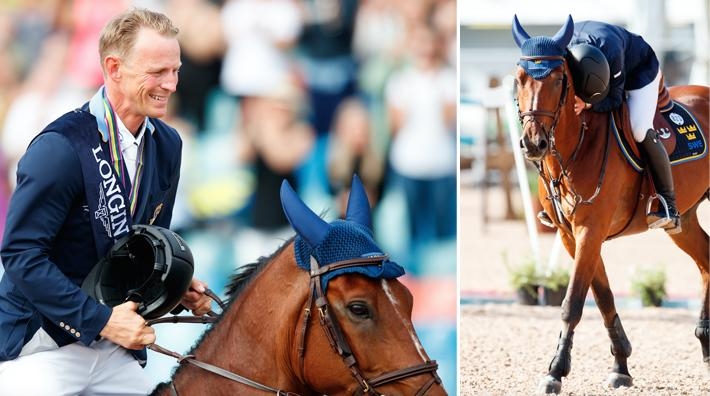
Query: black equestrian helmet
pixel 152 266
pixel 590 72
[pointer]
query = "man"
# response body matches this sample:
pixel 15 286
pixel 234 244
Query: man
pixel 81 184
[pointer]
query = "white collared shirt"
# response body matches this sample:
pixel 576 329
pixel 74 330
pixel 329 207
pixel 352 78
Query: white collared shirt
pixel 130 146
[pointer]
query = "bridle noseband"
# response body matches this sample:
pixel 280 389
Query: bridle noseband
pixel 332 331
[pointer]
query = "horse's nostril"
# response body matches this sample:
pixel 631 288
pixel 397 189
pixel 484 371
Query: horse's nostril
pixel 543 144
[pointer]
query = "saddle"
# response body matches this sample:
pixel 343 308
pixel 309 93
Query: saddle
pixel 677 128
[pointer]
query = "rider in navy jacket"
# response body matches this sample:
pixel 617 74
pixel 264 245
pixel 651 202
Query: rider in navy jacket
pixel 632 62
pixel 83 182
pixel 46 242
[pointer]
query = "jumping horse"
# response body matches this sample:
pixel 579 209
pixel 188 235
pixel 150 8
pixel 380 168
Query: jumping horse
pixel 324 315
pixel 593 194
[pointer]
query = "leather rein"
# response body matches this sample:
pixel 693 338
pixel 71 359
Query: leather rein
pixel 552 184
pixel 332 331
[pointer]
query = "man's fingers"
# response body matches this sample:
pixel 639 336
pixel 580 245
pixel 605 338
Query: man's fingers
pixel 128 305
pixel 203 308
pixel 198 285
pixel 148 337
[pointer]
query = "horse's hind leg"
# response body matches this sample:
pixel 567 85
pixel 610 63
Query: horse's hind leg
pixel 694 241
pixel 620 345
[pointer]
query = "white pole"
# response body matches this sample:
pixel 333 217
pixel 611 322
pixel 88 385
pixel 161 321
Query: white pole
pixel 554 259
pixel 512 120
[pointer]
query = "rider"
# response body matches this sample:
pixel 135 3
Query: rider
pixel 72 202
pixel 635 76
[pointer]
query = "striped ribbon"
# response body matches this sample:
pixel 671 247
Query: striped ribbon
pixel 117 156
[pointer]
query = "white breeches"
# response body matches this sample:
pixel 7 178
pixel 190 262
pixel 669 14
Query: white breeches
pixel 642 107
pixel 104 368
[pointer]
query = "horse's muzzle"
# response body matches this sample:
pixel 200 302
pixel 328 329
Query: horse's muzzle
pixel 533 151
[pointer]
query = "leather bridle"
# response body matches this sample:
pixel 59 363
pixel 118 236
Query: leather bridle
pixel 337 339
pixel 555 115
pixel 332 331
pixel 552 184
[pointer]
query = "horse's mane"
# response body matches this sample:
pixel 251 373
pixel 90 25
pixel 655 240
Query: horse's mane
pixel 241 277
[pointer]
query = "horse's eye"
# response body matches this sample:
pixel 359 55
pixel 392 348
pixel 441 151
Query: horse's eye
pixel 360 310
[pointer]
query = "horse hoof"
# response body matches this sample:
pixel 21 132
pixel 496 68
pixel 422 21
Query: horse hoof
pixel 549 385
pixel 616 380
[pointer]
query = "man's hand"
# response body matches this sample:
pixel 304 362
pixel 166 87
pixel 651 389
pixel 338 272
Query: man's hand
pixel 195 299
pixel 580 105
pixel 127 329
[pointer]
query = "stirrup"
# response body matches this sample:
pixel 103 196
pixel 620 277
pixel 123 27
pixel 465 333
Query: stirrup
pixel 545 219
pixel 662 218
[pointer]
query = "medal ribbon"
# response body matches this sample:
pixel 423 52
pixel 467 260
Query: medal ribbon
pixel 117 156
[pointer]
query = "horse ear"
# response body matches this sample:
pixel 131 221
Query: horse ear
pixel 564 35
pixel 306 223
pixel 519 34
pixel 358 206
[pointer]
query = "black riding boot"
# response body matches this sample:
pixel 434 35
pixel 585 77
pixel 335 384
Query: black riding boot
pixel 658 165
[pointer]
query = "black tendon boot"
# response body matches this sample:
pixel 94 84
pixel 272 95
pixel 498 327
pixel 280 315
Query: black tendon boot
pixel 657 164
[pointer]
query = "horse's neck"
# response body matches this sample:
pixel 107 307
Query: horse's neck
pixel 576 137
pixel 255 336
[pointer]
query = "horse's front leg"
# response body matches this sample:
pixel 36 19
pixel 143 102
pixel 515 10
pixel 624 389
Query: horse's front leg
pixel 620 344
pixel 585 247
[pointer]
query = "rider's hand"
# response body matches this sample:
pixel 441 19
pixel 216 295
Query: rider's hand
pixel 580 105
pixel 195 299
pixel 127 329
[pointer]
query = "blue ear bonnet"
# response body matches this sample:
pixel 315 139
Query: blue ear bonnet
pixel 346 240
pixel 540 46
pixel 340 240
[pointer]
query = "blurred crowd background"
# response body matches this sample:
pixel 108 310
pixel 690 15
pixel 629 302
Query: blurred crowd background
pixel 310 91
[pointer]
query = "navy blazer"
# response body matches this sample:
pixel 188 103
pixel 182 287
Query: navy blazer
pixel 48 246
pixel 632 62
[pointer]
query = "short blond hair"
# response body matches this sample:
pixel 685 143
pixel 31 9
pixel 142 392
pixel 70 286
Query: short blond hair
pixel 119 34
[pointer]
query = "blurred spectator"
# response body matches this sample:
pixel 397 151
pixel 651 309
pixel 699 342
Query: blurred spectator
pixel 421 99
pixel 329 70
pixel 42 97
pixel 445 22
pixel 275 142
pixel 202 46
pixel 379 43
pixel 326 56
pixel 9 71
pixel 416 13
pixel 32 22
pixel 351 151
pixel 379 30
pixel 258 34
pixel 84 24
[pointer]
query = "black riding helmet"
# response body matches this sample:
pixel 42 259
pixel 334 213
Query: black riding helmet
pixel 590 72
pixel 152 266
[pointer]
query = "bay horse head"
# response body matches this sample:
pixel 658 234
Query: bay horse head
pixel 542 87
pixel 324 315
pixel 366 314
